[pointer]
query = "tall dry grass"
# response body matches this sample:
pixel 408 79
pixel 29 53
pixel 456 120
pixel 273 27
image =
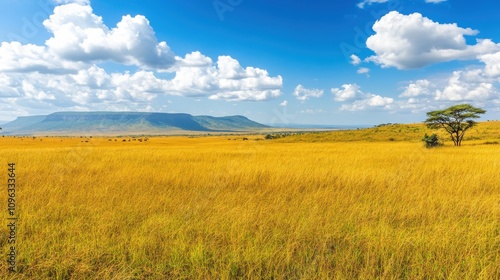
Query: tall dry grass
pixel 213 208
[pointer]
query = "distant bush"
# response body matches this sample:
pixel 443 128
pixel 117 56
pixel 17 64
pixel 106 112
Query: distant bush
pixel 280 135
pixel 431 141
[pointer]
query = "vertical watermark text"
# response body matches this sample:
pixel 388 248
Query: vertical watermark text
pixel 12 216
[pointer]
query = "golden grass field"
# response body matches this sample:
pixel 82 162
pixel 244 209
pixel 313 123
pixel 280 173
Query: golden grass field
pixel 365 204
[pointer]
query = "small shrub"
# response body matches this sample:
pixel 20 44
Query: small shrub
pixel 431 141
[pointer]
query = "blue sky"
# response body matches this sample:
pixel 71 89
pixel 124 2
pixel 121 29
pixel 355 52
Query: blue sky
pixel 309 62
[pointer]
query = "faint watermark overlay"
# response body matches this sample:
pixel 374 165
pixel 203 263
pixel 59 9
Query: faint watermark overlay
pixel 281 117
pixel 223 6
pixel 31 26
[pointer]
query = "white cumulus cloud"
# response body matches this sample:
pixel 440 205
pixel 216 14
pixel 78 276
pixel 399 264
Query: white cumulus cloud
pixel 235 83
pixel 359 100
pixel 472 85
pixel 492 62
pixel 347 92
pixel 363 70
pixel 355 60
pixel 80 35
pixel 304 94
pixel 459 90
pixel 414 41
pixel 370 101
pixel 15 57
pixel 66 73
pixel 418 88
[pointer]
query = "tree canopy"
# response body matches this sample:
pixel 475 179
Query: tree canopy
pixel 456 120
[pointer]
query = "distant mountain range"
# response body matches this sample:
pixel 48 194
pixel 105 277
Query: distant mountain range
pixel 114 123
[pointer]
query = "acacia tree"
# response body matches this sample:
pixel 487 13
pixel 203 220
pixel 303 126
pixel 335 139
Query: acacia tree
pixel 456 120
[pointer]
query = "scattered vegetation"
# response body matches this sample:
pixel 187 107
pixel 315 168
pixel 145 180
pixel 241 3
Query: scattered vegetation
pixel 386 124
pixel 456 120
pixel 281 135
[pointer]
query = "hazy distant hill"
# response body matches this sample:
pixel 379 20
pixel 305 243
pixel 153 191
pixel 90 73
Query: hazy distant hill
pixel 21 122
pixel 125 123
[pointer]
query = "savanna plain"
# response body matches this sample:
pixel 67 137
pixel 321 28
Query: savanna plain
pixel 361 204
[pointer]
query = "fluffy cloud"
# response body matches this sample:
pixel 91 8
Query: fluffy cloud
pixel 94 88
pixel 414 41
pixel 303 93
pixel 362 4
pixel 360 100
pixel 475 85
pixel 284 103
pixel 237 83
pixel 492 62
pixel 80 35
pixel 89 88
pixel 347 92
pixel 369 101
pixel 64 74
pixel 355 60
pixel 228 81
pixel 459 90
pixel 15 57
pixel 419 88
pixel 363 70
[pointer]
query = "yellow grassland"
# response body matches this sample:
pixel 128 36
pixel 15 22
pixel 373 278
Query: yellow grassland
pixel 366 204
